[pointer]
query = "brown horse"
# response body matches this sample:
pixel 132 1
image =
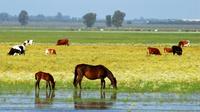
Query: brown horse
pixel 93 72
pixel 45 76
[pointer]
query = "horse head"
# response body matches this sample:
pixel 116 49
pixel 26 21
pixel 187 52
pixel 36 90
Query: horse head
pixel 112 78
pixel 114 83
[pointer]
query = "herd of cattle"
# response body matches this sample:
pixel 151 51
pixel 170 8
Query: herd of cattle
pixel 176 49
pixel 20 49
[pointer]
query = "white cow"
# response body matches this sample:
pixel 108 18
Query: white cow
pixel 28 42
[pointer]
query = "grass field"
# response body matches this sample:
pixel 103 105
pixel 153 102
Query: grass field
pixel 124 53
pixel 51 36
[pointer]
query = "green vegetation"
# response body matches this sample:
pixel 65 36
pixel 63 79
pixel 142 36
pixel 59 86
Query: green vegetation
pixel 124 53
pixel 51 36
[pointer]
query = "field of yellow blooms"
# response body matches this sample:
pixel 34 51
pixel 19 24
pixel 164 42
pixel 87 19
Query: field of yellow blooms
pixel 130 64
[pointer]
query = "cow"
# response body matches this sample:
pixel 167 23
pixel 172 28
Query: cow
pixel 177 50
pixel 167 50
pixel 63 41
pixel 28 42
pixel 50 51
pixel 184 43
pixel 17 49
pixel 154 51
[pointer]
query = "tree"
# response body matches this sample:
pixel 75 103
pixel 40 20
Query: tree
pixel 4 16
pixel 118 18
pixel 40 17
pixel 108 21
pixel 59 16
pixel 89 19
pixel 23 17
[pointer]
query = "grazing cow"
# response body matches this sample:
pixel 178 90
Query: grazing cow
pixel 17 49
pixel 167 50
pixel 184 43
pixel 28 42
pixel 63 41
pixel 177 50
pixel 50 51
pixel 154 51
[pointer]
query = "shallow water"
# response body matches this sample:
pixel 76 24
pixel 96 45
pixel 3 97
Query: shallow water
pixel 95 100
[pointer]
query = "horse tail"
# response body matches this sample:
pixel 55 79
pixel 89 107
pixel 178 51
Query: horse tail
pixel 36 76
pixel 75 75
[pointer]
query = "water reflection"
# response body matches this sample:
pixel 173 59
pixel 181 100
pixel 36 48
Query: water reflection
pixel 92 102
pixel 44 102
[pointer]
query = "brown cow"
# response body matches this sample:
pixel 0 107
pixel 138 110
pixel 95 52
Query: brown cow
pixel 50 51
pixel 154 51
pixel 184 43
pixel 63 41
pixel 167 50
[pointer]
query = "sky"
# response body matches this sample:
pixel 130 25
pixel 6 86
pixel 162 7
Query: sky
pixel 161 9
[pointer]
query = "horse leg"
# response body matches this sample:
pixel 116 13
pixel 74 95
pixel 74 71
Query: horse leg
pixel 103 84
pixel 50 86
pixel 36 90
pixel 75 84
pixel 47 84
pixel 103 96
pixel 79 79
pixel 37 84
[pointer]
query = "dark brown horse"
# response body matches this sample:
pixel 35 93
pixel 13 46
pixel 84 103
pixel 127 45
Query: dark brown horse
pixel 93 72
pixel 45 76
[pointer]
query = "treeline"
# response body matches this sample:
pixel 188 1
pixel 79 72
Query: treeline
pixel 88 19
pixel 5 17
pixel 174 21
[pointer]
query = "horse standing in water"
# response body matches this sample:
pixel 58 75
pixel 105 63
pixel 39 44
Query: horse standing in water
pixel 93 72
pixel 45 76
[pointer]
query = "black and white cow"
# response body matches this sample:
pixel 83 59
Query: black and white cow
pixel 28 42
pixel 17 50
pixel 177 50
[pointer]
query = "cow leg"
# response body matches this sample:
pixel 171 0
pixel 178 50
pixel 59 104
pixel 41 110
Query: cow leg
pixel 173 53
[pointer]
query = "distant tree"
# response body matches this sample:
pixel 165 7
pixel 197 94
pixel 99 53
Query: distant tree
pixel 23 18
pixel 59 16
pixel 108 21
pixel 118 18
pixel 89 19
pixel 4 16
pixel 129 22
pixel 40 17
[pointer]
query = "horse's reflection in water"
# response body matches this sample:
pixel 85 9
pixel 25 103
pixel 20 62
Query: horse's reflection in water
pixel 44 102
pixel 93 103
